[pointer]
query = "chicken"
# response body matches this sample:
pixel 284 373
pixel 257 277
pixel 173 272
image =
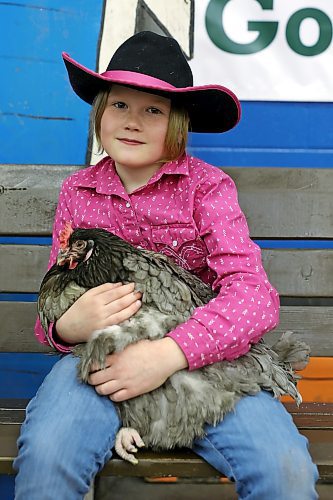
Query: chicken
pixel 174 414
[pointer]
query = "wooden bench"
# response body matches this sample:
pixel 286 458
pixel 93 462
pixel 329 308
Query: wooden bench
pixel 281 204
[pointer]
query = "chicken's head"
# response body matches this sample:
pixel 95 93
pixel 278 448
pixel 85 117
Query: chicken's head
pixel 73 248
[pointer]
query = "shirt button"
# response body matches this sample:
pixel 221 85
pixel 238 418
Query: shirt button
pixel 128 204
pixel 174 243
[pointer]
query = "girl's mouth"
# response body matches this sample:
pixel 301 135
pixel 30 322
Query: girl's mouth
pixel 130 142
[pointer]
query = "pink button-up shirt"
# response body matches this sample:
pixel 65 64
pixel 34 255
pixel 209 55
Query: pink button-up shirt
pixel 189 211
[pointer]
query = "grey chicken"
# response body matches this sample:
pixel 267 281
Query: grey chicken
pixel 175 413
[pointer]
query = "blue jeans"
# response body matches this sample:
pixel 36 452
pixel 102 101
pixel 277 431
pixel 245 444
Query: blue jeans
pixel 70 430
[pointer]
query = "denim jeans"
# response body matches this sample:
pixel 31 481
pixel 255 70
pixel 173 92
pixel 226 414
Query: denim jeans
pixel 70 430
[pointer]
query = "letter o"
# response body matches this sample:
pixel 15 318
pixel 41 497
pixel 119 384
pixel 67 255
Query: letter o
pixel 293 32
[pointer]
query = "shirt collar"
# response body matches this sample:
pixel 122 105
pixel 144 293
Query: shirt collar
pixel 104 179
pixel 176 167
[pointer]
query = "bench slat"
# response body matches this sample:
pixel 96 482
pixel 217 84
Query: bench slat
pixel 284 202
pixel 312 415
pixel 306 416
pixel 312 324
pixel 181 463
pixel 300 273
pixel 22 267
pixel 295 273
pixel 28 197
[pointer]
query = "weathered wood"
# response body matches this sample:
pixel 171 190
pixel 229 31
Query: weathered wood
pixel 181 463
pixel 312 415
pixel 28 197
pixel 300 273
pixel 313 325
pixel 22 267
pixel 295 273
pixel 187 464
pixel 289 202
pixel 311 419
pixel 306 416
pixel 17 328
pixel 12 410
pixel 286 202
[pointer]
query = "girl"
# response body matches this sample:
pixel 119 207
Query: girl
pixel 149 192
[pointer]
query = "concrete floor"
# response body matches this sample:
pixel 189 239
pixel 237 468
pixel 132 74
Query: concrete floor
pixel 138 489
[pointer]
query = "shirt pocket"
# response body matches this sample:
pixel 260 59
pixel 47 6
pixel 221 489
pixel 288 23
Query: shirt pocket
pixel 182 244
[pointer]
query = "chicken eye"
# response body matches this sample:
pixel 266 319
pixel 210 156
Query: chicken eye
pixel 80 244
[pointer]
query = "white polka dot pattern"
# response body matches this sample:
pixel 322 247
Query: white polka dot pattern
pixel 189 211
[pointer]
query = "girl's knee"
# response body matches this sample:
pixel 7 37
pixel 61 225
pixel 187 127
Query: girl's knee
pixel 294 464
pixel 290 474
pixel 38 449
pixel 46 437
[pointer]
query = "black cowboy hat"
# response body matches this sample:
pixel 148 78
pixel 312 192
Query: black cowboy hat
pixel 156 64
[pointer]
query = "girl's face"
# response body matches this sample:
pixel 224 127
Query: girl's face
pixel 133 128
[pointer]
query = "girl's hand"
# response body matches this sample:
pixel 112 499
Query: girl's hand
pixel 138 369
pixel 102 306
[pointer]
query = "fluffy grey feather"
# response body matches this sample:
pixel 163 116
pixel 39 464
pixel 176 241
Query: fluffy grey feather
pixel 175 413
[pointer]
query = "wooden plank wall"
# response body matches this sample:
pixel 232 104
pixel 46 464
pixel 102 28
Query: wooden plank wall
pixel 295 202
pixel 296 273
pixel 291 203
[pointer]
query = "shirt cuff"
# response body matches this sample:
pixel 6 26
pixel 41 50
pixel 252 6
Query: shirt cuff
pixel 200 347
pixel 56 341
pixel 52 339
pixel 191 338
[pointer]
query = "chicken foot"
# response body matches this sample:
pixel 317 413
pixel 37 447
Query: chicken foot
pixel 128 441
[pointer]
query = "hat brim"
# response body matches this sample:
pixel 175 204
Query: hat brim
pixel 211 108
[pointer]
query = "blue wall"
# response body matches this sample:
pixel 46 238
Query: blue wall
pixel 42 120
pixel 273 134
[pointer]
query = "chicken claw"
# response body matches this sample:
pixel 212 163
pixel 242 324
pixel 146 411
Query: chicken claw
pixel 127 440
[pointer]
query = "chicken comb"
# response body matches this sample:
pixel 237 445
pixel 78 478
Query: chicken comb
pixel 64 235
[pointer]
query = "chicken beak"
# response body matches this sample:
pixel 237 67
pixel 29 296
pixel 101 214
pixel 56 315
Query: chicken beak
pixel 62 258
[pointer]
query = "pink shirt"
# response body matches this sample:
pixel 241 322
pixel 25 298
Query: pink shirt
pixel 189 211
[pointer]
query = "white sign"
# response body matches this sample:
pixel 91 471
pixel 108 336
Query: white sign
pixel 277 50
pixel 122 19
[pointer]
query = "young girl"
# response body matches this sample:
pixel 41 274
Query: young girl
pixel 152 194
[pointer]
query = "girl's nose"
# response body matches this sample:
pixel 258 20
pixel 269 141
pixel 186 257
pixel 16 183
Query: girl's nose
pixel 133 121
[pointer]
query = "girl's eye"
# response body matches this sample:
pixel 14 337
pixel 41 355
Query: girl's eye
pixel 154 111
pixel 119 105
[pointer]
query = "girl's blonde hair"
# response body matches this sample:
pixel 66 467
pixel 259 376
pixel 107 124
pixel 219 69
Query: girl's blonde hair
pixel 177 132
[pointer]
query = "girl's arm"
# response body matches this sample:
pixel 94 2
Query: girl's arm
pixel 102 306
pixel 105 305
pixel 139 368
pixel 247 306
pixel 62 215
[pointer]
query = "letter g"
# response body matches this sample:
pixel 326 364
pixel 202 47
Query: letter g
pixel 267 29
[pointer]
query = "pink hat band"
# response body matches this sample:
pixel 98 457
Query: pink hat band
pixel 137 79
